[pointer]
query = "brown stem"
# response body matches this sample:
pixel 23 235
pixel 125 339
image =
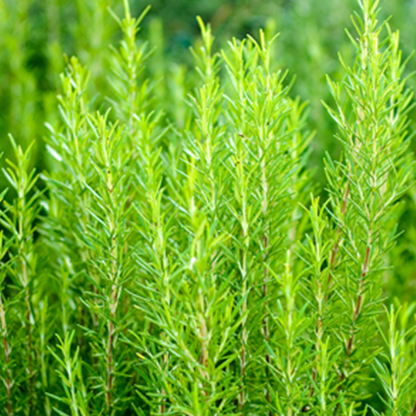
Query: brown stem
pixel 114 297
pixel 332 264
pixel 360 298
pixel 8 383
pixel 357 309
pixel 29 343
pixel 335 248
pixel 266 333
pixel 110 346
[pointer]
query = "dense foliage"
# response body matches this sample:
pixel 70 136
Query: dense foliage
pixel 174 251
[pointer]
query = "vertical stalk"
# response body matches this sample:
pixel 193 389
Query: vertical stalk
pixel 25 281
pixel 29 343
pixel 360 295
pixel 108 236
pixel 266 334
pixel 9 406
pixel 375 171
pixel 336 246
pixel 244 277
pixel 236 67
pixel 113 305
pixel 19 219
pixel 265 241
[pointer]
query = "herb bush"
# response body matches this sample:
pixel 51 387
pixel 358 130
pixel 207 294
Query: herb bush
pixel 177 255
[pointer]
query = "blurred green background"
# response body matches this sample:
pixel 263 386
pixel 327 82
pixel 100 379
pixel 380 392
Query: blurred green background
pixel 35 35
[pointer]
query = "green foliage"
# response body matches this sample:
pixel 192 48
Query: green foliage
pixel 171 258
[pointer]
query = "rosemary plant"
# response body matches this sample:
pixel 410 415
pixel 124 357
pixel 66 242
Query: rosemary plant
pixel 366 185
pixel 177 255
